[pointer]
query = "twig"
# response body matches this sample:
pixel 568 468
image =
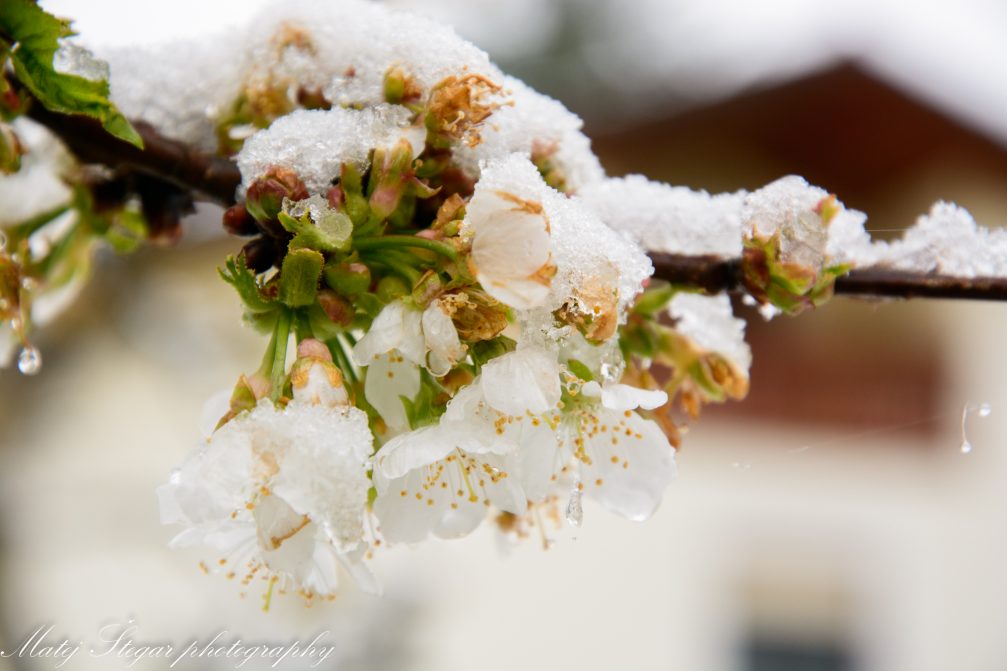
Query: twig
pixel 714 274
pixel 213 177
pixel 217 178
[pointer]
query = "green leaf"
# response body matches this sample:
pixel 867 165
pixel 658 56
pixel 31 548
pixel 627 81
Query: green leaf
pixel 654 299
pixel 36 36
pixel 299 277
pixel 237 274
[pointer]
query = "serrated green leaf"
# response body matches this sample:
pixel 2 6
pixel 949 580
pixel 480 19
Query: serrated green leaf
pixel 237 274
pixel 36 36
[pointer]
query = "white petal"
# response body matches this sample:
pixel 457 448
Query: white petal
pixel 522 294
pixel 626 397
pixel 510 243
pixel 539 460
pixel 441 338
pixel 389 378
pixel 386 333
pixel 323 468
pixel 631 464
pixel 412 450
pixel 522 381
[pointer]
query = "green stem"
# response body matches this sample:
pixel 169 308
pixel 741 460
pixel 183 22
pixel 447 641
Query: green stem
pixel 387 241
pixel 338 349
pixel 279 367
pixel 395 265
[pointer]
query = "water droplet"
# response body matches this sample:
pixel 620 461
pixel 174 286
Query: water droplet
pixel 29 362
pixel 574 507
pixel 29 283
pixel 983 410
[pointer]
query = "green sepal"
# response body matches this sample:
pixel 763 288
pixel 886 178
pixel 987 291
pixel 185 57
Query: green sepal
pixel 354 202
pixel 485 350
pixel 299 277
pixel 579 369
pixel 331 233
pixel 653 300
pixel 424 409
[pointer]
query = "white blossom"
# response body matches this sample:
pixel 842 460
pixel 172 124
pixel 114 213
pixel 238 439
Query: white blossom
pixel 281 489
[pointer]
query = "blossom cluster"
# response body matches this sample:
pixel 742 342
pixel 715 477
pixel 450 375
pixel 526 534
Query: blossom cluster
pixel 461 317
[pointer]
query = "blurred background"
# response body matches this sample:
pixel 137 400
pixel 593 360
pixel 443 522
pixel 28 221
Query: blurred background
pixel 830 522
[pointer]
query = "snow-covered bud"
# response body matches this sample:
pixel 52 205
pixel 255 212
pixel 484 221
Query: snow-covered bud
pixel 786 233
pixel 400 88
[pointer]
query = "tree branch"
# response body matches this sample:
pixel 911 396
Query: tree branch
pixel 714 274
pixel 217 179
pixel 213 177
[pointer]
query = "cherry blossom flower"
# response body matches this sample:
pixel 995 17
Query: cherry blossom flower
pixel 281 490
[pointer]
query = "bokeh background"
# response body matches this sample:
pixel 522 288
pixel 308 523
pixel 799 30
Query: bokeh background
pixel 830 522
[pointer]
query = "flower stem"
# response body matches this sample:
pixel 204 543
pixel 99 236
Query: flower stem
pixel 281 334
pixel 387 241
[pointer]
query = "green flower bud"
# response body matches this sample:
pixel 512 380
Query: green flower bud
pixel 391 287
pixel 347 279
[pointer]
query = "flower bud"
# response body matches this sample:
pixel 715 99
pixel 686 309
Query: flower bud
pixel 237 221
pixel 335 307
pixel 347 279
pixel 261 254
pixel 264 198
pixel 391 287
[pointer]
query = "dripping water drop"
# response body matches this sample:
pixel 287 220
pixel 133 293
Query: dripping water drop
pixel 985 409
pixel 966 447
pixel 29 362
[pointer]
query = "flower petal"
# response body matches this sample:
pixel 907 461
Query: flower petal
pixel 441 338
pixel 631 463
pixel 523 381
pixel 389 378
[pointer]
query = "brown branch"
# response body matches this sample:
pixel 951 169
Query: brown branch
pixel 213 177
pixel 714 274
pixel 217 178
